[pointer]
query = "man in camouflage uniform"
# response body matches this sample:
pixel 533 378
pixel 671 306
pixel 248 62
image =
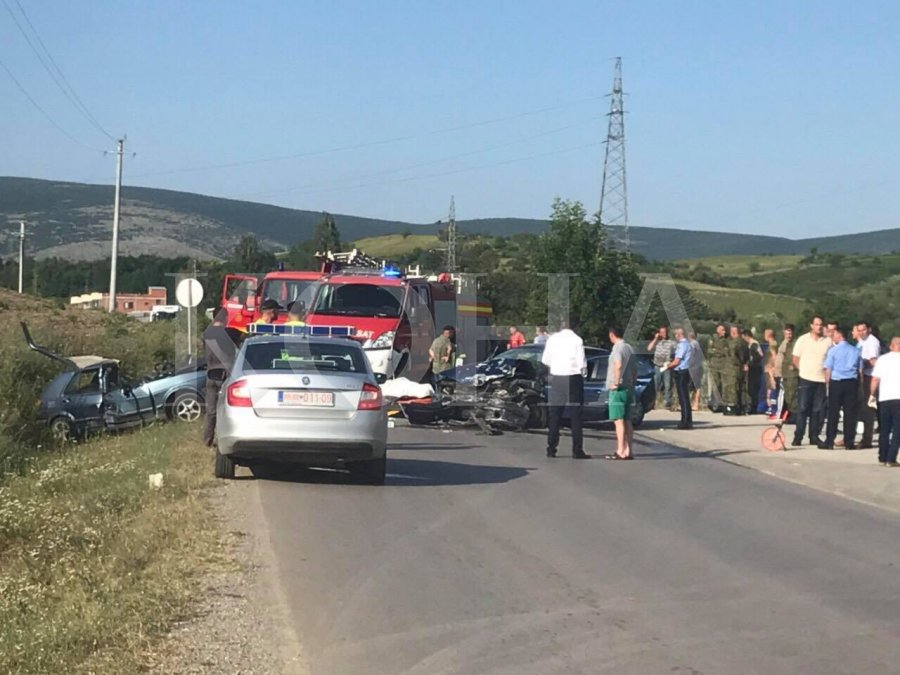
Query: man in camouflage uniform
pixel 790 376
pixel 736 373
pixel 717 358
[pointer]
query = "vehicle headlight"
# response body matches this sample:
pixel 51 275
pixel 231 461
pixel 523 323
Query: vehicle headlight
pixel 384 340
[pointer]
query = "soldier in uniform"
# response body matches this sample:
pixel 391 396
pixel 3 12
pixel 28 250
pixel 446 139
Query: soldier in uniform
pixel 736 373
pixel 717 356
pixel 790 376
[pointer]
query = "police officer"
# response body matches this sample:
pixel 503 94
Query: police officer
pixel 717 356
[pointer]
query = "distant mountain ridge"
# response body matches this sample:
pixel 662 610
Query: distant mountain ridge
pixel 74 221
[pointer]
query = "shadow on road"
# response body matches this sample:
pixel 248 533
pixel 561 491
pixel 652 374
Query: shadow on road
pixel 401 473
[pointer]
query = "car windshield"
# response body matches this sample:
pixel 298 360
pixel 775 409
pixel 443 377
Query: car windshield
pixel 302 355
pixel 359 300
pixel 286 291
pixel 519 354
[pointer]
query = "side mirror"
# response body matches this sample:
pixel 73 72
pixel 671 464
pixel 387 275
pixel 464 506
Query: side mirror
pixel 380 378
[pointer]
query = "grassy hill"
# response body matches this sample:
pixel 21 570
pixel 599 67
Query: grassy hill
pixel 395 245
pixel 74 221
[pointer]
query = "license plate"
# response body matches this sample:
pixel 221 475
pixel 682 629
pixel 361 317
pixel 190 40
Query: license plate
pixel 313 399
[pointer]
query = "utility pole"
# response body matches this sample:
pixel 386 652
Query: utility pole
pixel 614 192
pixel 21 254
pixel 451 237
pixel 115 239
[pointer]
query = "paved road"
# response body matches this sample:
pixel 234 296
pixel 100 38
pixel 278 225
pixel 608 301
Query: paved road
pixel 481 556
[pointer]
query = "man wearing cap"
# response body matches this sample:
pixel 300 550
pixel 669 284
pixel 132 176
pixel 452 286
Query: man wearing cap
pixel 296 310
pixel 268 312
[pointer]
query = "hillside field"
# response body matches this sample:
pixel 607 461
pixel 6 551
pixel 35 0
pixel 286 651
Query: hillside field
pixel 394 245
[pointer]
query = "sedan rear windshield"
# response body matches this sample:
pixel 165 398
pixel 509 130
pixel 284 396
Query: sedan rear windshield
pixel 294 355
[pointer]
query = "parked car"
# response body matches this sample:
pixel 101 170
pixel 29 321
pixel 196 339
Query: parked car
pixel 506 366
pixel 91 396
pixel 307 400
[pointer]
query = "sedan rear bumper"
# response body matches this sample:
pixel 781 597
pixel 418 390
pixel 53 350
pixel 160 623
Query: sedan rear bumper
pixel 243 435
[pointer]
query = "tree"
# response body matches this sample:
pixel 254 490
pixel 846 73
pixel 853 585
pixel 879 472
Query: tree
pixel 326 236
pixel 249 256
pixel 605 285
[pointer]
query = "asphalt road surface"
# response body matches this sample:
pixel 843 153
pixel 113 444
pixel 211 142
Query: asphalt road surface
pixel 481 556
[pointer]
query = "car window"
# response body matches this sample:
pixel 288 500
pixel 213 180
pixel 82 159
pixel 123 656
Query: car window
pixel 326 357
pixel 85 382
pixel 597 368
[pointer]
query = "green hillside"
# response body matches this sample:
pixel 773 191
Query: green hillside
pixel 74 221
pixel 397 245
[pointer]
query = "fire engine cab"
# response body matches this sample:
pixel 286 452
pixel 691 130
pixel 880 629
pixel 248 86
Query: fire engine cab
pixel 393 314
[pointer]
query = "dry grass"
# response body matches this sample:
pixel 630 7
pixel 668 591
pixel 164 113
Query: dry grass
pixel 395 245
pixel 95 565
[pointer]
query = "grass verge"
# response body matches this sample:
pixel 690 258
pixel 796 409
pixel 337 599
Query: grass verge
pixel 94 564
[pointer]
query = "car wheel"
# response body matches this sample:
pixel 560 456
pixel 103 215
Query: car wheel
pixel 224 466
pixel 62 430
pixel 638 417
pixel 185 407
pixel 372 471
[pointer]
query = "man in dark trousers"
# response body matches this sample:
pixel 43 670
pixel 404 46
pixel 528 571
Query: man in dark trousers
pixel 681 369
pixel 886 385
pixel 841 376
pixel 221 349
pixel 564 357
pixel 869 348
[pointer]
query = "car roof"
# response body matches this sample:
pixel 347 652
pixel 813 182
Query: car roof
pixel 89 360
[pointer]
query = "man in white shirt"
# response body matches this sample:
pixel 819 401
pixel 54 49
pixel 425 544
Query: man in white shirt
pixel 564 357
pixel 886 382
pixel 809 355
pixel 869 350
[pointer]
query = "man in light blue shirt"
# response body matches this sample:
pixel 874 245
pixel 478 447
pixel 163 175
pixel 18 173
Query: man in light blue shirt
pixel 841 373
pixel 680 367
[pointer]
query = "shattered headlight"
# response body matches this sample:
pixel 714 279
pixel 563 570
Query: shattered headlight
pixel 383 341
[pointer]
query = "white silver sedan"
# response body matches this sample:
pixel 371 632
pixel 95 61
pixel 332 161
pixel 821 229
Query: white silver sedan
pixel 302 399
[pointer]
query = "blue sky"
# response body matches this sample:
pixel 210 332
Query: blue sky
pixel 768 117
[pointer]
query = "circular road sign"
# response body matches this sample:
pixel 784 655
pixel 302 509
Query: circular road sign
pixel 189 292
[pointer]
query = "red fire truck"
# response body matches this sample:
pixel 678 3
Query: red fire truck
pixel 394 315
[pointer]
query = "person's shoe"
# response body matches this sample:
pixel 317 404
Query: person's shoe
pixel 865 446
pixel 581 455
pixel 815 440
pixel 551 452
pixel 892 465
pixel 849 446
pixel 728 410
pixel 796 444
pixel 825 446
pixel 685 426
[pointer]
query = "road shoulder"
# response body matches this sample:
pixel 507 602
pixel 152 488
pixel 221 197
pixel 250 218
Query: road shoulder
pixel 241 626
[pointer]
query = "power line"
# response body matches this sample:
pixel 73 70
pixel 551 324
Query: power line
pixel 338 182
pixel 58 77
pixel 368 144
pixel 614 191
pixel 44 112
pixel 441 174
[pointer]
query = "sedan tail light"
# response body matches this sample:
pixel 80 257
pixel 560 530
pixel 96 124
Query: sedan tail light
pixel 370 398
pixel 238 394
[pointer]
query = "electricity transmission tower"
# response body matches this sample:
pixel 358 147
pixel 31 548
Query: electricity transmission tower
pixel 614 193
pixel 451 237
